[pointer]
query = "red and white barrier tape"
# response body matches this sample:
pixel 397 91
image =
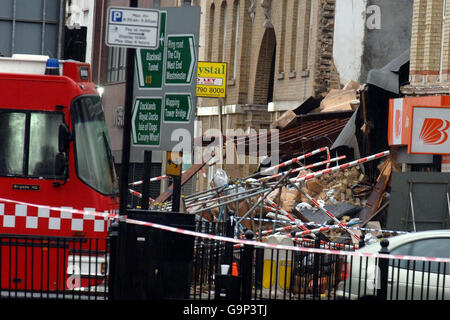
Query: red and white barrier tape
pixel 328 157
pixel 139 195
pixel 284 247
pixel 236 241
pixel 136 183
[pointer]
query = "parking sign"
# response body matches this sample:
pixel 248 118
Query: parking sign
pixel 116 16
pixel 132 28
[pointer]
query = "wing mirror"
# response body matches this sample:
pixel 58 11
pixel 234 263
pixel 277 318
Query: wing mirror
pixel 60 165
pixel 64 137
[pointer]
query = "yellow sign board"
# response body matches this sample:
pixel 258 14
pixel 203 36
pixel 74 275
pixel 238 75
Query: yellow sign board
pixel 211 79
pixel 173 165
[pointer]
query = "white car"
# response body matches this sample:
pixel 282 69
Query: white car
pixel 407 280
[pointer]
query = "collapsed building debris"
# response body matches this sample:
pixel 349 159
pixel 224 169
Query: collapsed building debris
pixel 285 197
pixel 314 193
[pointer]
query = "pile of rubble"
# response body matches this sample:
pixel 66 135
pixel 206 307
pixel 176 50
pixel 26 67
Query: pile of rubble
pixel 309 201
pixel 348 186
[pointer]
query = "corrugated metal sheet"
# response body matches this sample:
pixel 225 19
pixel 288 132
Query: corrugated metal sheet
pixel 312 132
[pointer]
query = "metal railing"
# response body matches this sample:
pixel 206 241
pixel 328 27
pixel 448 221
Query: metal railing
pixel 257 273
pixel 53 267
pixel 34 267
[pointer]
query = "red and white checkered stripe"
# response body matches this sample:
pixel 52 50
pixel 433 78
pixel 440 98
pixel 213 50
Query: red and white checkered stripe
pixel 23 216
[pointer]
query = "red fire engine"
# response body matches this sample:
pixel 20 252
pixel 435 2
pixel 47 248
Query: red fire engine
pixel 54 152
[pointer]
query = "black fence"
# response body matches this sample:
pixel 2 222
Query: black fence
pixel 258 273
pixel 35 267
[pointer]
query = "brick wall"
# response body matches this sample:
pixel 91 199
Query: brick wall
pixel 302 33
pixel 430 43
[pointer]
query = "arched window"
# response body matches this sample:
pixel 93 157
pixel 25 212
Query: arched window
pixel 294 42
pixel 283 37
pixel 309 13
pixel 211 31
pixel 235 40
pixel 223 31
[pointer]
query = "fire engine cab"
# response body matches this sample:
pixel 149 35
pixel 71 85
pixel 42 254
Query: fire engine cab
pixel 55 153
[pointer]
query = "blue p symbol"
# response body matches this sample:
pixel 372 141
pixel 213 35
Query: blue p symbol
pixel 117 16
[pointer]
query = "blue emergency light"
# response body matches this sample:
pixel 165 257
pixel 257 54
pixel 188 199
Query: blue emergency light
pixel 52 67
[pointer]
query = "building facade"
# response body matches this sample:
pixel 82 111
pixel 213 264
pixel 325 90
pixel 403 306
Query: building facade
pixel 279 53
pixel 368 34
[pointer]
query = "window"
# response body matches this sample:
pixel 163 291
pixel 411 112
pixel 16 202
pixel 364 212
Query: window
pixel 295 17
pixel 12 142
pixel 223 26
pixel 438 247
pixel 309 15
pixel 43 143
pixel 93 157
pixel 283 37
pixel 235 40
pixel 29 143
pixel 117 60
pixel 211 31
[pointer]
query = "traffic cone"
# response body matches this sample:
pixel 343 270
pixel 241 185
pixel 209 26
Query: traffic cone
pixel 234 269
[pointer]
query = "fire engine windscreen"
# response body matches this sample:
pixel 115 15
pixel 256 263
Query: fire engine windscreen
pixel 93 158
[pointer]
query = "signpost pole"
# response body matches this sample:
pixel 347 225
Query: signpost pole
pixel 121 272
pixel 147 173
pixel 221 133
pixel 176 193
pixel 174 165
pixel 124 166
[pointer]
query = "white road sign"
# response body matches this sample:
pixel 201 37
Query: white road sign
pixel 132 28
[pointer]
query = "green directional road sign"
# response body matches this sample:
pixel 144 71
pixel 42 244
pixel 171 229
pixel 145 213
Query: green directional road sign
pixel 146 121
pixel 181 59
pixel 165 82
pixel 177 107
pixel 150 63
